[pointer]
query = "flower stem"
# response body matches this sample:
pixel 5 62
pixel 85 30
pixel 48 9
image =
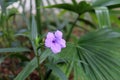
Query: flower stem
pixel 39 28
pixel 70 31
pixel 38 59
pixel 38 62
pixel 38 16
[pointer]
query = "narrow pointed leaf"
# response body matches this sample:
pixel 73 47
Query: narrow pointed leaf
pixel 31 66
pixel 19 49
pixel 80 8
pixel 34 33
pixel 57 71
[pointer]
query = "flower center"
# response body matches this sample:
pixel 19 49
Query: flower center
pixel 54 41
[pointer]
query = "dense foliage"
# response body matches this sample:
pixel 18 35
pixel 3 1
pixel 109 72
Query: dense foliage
pixel 91 50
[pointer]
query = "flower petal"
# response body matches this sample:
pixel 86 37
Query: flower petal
pixel 48 42
pixel 56 48
pixel 62 43
pixel 58 34
pixel 50 35
pixel 49 39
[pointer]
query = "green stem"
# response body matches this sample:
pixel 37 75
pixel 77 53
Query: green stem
pixel 87 22
pixel 38 62
pixel 71 29
pixel 38 59
pixel 38 16
pixel 39 28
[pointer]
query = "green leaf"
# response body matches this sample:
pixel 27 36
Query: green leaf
pixel 74 2
pixel 104 3
pixel 99 50
pixel 79 72
pixel 68 53
pixel 103 17
pixel 114 16
pixel 22 32
pixel 9 2
pixel 20 56
pixel 19 49
pixel 5 3
pixel 27 70
pixel 80 8
pixel 34 33
pixel 32 65
pixel 83 7
pixel 65 6
pixel 67 57
pixel 12 12
pixel 57 71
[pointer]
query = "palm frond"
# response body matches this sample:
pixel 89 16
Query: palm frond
pixel 99 51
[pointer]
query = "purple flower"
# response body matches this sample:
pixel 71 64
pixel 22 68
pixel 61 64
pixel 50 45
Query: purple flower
pixel 55 42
